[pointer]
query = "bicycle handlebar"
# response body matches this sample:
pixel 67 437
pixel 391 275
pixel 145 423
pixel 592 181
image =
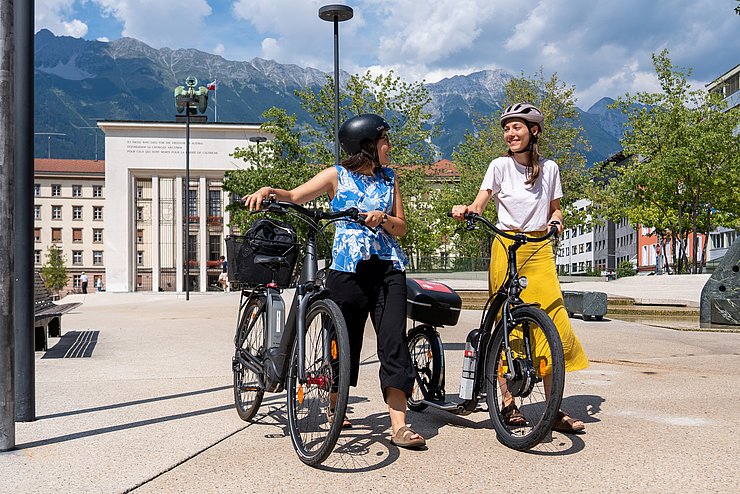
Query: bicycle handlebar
pixel 521 237
pixel 276 206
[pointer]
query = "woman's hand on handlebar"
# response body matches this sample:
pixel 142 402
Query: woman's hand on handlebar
pixel 372 219
pixel 254 200
pixel 556 224
pixel 458 212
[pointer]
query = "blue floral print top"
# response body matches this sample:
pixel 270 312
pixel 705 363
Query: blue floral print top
pixel 353 242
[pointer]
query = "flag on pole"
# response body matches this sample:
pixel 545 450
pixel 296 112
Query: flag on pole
pixel 211 86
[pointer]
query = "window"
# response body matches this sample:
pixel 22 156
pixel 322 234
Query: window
pixel 139 192
pixel 214 203
pixel 139 213
pixel 97 212
pixel 77 235
pixel 588 246
pixel 76 212
pixel 56 234
pixel 214 247
pixel 193 205
pixel 97 257
pixel 97 235
pixel 140 236
pixel 56 212
pixel 36 190
pixel 37 234
pixel 76 257
pixel 140 257
pixel 77 191
pixel 56 190
pixel 76 281
pixel 37 257
pixel 97 191
pixel 37 212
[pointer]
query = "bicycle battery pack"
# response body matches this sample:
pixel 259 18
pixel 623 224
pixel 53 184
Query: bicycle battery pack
pixel 431 302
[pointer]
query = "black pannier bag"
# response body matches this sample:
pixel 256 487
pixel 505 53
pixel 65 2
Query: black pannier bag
pixel 431 302
pixel 266 237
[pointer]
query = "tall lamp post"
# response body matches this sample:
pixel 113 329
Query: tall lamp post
pixel 336 14
pixel 257 140
pixel 189 100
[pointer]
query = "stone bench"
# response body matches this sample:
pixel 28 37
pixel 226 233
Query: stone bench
pixel 588 304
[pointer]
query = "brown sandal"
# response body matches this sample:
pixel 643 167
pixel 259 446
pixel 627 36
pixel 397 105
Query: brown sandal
pixel 403 438
pixel 512 416
pixel 567 424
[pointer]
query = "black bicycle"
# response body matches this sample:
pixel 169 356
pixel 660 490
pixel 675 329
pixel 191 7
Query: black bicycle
pixel 514 358
pixel 307 353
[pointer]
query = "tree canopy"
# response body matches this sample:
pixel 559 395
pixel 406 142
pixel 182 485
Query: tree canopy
pixel 682 178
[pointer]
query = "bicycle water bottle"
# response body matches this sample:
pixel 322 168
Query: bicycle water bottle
pixel 470 361
pixel 276 320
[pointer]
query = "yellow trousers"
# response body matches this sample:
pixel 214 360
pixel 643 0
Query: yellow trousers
pixel 536 261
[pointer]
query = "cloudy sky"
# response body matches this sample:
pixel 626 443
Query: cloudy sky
pixel 602 47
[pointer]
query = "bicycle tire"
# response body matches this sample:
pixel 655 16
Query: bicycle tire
pixel 312 432
pixel 250 335
pixel 427 358
pixel 527 385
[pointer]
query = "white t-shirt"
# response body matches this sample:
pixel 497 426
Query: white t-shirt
pixel 522 207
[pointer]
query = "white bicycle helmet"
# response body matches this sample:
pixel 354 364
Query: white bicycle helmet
pixel 525 111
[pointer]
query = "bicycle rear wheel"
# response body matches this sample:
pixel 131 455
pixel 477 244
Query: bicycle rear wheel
pixel 532 381
pixel 327 365
pixel 427 357
pixel 247 362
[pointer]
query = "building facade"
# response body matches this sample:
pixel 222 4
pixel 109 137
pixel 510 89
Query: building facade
pixel 69 212
pixel 145 212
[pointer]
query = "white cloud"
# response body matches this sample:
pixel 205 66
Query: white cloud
pixel 54 15
pixel 160 23
pixel 219 49
pixel 75 28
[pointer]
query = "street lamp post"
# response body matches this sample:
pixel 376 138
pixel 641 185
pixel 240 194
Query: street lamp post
pixel 336 14
pixel 257 140
pixel 190 100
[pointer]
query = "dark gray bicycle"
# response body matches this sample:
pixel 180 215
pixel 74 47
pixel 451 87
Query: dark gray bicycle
pixel 513 360
pixel 306 354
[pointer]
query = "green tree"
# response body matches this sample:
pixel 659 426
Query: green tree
pixel 290 160
pixel 54 270
pixel 282 162
pixel 682 179
pixel 562 141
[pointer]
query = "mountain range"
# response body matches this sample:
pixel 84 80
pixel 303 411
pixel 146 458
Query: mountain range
pixel 78 82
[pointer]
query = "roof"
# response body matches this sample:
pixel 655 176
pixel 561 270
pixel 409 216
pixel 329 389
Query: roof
pixel 444 169
pixel 77 167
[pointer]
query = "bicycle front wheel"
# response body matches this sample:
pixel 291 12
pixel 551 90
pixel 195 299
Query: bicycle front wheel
pixel 531 379
pixel 314 428
pixel 246 364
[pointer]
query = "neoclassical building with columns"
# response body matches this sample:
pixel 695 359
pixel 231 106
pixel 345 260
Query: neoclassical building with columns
pixel 145 216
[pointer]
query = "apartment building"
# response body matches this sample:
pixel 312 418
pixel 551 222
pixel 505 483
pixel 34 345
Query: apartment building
pixel 69 212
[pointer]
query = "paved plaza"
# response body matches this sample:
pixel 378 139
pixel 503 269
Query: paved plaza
pixel 151 411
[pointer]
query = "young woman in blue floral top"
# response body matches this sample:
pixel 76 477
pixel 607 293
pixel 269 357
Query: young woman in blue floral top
pixel 367 275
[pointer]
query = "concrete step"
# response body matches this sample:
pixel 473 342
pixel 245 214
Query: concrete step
pixel 476 300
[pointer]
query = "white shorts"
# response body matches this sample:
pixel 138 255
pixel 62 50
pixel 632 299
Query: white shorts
pixel 223 277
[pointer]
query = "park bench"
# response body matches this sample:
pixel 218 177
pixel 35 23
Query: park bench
pixel 588 304
pixel 47 314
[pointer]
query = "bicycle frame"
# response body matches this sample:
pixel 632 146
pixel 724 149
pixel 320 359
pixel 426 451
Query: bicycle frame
pixel 307 290
pixel 502 301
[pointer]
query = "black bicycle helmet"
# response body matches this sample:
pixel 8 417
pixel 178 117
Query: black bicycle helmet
pixel 359 128
pixel 525 111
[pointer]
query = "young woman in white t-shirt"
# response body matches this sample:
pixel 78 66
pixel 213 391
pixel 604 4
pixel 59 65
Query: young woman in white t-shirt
pixel 526 189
